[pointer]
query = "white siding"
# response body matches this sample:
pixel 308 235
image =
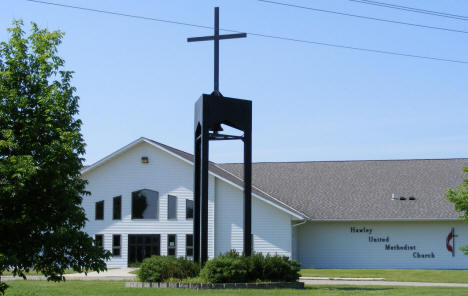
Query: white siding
pixel 294 240
pixel 124 174
pixel 333 245
pixel 271 227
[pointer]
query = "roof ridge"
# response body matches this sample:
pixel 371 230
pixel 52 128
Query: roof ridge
pixel 355 160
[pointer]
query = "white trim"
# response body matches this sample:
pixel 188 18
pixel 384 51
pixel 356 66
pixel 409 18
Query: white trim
pixel 143 139
pixel 112 155
pixel 168 151
pixel 385 219
pixel 126 147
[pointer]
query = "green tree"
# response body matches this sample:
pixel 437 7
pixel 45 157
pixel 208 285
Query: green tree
pixel 459 197
pixel 41 149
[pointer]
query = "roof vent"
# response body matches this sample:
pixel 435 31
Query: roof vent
pixel 393 196
pixel 402 198
pixel 412 198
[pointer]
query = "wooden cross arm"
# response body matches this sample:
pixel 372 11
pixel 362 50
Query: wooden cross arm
pixel 207 38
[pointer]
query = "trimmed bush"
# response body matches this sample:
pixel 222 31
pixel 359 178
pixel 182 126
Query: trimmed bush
pixel 225 269
pixel 280 269
pixel 187 268
pixel 234 268
pixel 256 266
pixel 158 269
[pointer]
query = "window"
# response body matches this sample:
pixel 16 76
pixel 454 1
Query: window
pixel 189 245
pixel 99 240
pixel 141 246
pixel 116 245
pixel 171 207
pixel 171 245
pixel 188 209
pixel 117 214
pixel 145 204
pixel 100 210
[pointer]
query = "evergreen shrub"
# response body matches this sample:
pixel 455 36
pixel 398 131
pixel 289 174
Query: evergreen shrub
pixel 227 268
pixel 161 268
pixel 280 269
pixel 234 268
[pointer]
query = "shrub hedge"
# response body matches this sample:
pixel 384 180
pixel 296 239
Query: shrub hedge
pixel 234 268
pixel 159 269
pixel 227 268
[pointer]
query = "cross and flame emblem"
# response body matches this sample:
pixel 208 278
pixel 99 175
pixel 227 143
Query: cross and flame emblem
pixel 450 242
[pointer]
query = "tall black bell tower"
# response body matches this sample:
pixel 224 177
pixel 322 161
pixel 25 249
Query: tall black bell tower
pixel 210 112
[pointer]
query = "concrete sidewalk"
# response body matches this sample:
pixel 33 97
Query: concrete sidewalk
pixel 372 282
pixel 115 274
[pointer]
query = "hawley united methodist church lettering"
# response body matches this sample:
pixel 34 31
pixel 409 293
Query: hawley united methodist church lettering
pixel 385 239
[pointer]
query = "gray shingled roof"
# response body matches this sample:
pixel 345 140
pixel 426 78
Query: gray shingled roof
pixel 216 169
pixel 353 190
pixel 361 189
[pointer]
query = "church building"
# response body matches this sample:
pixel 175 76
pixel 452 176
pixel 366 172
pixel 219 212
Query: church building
pixel 324 214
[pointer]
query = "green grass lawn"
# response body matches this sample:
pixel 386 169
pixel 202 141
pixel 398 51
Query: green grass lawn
pixel 401 275
pixel 100 288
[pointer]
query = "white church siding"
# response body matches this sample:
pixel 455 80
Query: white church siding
pixel 335 245
pixel 124 174
pixel 326 242
pixel 271 227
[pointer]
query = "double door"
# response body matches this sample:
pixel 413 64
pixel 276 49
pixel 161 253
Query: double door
pixel 141 246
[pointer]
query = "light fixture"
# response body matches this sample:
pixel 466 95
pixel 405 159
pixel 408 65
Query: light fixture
pixel 144 159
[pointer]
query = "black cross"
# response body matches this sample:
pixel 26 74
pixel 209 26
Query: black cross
pixel 216 37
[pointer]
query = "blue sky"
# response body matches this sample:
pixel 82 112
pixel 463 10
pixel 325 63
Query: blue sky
pixel 141 78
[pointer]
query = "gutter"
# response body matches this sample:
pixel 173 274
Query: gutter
pixel 380 220
pixel 300 223
pixel 386 220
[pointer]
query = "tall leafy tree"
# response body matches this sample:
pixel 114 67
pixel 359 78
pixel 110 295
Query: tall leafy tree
pixel 41 151
pixel 459 197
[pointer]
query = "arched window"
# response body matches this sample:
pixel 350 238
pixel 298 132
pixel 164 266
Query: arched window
pixel 145 204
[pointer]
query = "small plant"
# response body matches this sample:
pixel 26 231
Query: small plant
pixel 159 268
pixel 134 264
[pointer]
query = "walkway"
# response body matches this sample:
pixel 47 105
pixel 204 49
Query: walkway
pixel 114 274
pixel 372 282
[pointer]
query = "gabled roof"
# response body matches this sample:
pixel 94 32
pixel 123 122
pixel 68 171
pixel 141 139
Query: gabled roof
pixel 362 190
pixel 343 190
pixel 214 169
